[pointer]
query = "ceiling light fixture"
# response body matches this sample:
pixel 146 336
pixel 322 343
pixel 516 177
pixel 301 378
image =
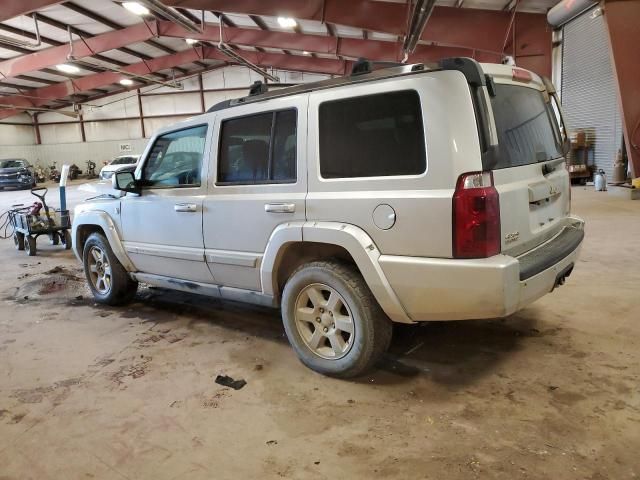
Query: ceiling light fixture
pixel 136 8
pixel 126 82
pixel 66 68
pixel 305 53
pixel 191 41
pixel 287 22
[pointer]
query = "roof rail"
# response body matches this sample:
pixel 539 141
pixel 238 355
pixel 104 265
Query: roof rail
pixel 362 72
pixel 362 66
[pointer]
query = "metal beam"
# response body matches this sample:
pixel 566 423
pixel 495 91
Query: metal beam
pixel 32 61
pixel 621 18
pixel 45 95
pixel 368 14
pixel 11 9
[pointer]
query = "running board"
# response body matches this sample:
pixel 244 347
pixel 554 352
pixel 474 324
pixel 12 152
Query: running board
pixel 207 289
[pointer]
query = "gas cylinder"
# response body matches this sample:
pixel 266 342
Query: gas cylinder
pixel 600 181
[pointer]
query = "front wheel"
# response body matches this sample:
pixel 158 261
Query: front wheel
pixel 333 321
pixel 108 280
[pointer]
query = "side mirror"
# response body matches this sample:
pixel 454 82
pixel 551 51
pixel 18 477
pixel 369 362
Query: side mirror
pixel 126 182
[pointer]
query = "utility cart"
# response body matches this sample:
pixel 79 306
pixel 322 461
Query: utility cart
pixel 29 223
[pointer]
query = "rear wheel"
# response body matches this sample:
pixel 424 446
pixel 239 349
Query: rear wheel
pixel 108 280
pixel 18 240
pixel 332 320
pixel 30 245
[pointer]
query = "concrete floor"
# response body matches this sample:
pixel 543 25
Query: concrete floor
pixel 95 392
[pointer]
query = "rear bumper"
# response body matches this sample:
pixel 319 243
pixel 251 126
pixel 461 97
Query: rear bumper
pixel 449 289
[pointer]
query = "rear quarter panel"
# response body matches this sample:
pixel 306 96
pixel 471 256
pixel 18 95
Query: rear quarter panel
pixel 422 203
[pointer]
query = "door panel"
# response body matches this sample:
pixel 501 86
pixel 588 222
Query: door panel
pixel 246 201
pixel 162 227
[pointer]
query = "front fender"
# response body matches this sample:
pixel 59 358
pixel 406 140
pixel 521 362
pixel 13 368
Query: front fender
pixel 100 219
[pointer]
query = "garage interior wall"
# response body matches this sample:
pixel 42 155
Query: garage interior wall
pixel 589 98
pixel 115 120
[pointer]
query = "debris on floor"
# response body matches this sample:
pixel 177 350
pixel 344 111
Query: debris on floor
pixel 227 381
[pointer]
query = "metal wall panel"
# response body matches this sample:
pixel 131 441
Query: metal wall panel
pixel 589 96
pixel 16 135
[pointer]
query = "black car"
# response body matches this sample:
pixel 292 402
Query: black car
pixel 16 173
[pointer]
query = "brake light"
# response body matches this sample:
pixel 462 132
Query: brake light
pixel 476 216
pixel 520 75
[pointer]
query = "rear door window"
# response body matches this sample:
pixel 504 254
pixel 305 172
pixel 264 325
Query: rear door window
pixel 258 149
pixel 372 136
pixel 527 129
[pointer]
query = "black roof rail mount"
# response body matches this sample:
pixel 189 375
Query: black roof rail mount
pixel 468 67
pixel 362 66
pixel 258 88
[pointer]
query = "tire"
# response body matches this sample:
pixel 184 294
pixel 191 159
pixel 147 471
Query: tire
pixel 346 349
pixel 30 245
pixel 18 240
pixel 66 239
pixel 108 280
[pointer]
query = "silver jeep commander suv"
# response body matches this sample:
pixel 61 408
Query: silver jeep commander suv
pixel 404 194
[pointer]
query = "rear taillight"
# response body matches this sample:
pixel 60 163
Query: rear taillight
pixel 476 216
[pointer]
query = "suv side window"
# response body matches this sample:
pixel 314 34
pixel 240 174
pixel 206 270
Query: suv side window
pixel 372 136
pixel 258 149
pixel 176 159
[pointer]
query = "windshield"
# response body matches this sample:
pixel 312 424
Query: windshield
pixel 124 161
pixel 12 163
pixel 526 126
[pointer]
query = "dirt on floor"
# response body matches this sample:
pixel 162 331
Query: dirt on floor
pixel 88 391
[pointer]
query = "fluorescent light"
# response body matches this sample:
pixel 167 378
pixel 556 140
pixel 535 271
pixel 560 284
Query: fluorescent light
pixel 126 81
pixel 287 22
pixel 305 53
pixel 66 68
pixel 190 41
pixel 135 7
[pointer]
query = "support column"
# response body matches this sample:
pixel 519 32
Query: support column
pixel 201 92
pixel 622 19
pixel 82 132
pixel 141 116
pixel 36 128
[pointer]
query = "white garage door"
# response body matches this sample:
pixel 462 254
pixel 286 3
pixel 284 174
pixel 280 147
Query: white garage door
pixel 589 96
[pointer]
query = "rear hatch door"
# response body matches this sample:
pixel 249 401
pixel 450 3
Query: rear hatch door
pixel 528 169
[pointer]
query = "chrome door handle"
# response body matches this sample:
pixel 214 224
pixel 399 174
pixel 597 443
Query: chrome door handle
pixel 280 207
pixel 185 207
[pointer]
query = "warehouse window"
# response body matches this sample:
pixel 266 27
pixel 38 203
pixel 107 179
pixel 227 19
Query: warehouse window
pixel 258 149
pixel 372 136
pixel 176 159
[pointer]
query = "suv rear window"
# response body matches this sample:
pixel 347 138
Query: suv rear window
pixel 527 130
pixel 372 136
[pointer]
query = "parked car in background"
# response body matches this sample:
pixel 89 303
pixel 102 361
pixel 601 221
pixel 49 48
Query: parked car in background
pixel 414 193
pixel 16 173
pixel 117 164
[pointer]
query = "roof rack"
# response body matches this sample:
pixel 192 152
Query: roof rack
pixel 362 72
